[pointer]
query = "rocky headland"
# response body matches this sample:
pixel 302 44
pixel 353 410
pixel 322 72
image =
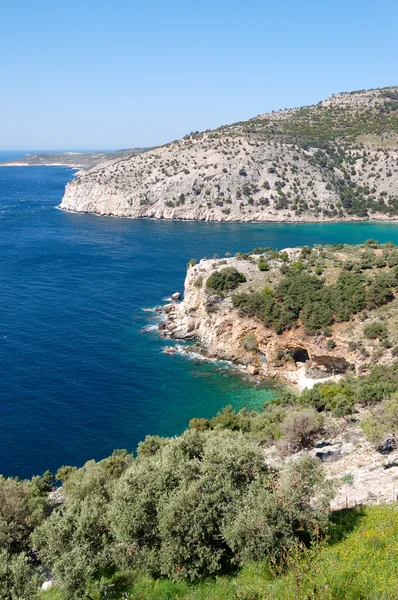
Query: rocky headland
pixel 75 160
pixel 230 324
pixel 336 160
pixel 225 326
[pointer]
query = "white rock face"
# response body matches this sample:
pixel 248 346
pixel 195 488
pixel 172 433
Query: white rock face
pixel 243 172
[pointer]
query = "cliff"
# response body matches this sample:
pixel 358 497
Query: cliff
pixel 336 160
pixel 301 353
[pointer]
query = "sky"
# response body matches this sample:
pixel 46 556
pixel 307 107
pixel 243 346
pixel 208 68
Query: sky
pixel 122 73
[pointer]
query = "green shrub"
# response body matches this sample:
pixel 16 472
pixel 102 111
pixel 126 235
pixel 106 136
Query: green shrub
pixel 249 342
pixel 262 265
pixel 225 280
pixel 301 426
pixel 199 282
pixel 375 330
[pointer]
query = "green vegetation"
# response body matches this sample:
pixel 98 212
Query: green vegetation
pixel 360 562
pixel 305 297
pixel 225 280
pixel 364 283
pixel 375 330
pixel 201 514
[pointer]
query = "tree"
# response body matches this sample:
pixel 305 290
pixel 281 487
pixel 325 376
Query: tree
pixel 225 280
pixel 19 580
pixel 301 426
pixel 375 330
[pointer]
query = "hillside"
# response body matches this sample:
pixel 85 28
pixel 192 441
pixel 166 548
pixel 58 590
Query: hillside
pixel 301 314
pixel 337 160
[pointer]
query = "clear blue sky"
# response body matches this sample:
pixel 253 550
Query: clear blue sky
pixel 123 73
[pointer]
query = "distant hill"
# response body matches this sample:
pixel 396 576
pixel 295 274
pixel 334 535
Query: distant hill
pixel 336 160
pixel 82 160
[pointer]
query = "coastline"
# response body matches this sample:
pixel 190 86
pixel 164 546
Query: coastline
pixel 17 164
pixel 353 219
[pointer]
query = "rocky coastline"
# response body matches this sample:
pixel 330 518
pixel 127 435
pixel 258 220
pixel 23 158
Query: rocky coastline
pixel 367 474
pixel 293 356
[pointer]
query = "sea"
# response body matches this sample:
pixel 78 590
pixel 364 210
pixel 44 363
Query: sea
pixel 82 368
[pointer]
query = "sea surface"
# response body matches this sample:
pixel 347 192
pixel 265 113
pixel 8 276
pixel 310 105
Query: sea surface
pixel 80 373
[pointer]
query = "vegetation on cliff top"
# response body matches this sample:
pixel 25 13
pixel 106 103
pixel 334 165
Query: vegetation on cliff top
pixel 318 287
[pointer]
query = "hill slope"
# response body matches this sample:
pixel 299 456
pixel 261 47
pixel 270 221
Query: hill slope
pixel 336 160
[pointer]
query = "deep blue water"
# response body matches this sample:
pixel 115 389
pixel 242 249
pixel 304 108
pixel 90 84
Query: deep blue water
pixel 78 376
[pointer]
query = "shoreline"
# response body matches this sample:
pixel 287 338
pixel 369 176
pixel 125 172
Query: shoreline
pixel 265 221
pixel 16 164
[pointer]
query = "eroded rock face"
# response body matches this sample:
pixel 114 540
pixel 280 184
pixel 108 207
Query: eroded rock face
pixel 327 365
pixel 222 333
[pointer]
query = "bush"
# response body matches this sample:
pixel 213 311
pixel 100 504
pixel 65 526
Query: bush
pixel 249 342
pixel 373 429
pixel 301 426
pixel 225 280
pixel 262 265
pixel 191 262
pixel 341 405
pixel 375 330
pixel 199 424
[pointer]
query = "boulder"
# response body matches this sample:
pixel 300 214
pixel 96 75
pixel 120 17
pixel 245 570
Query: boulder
pixel 47 584
pixel 161 326
pixel 176 296
pixel 169 308
pixel 253 370
pixel 170 350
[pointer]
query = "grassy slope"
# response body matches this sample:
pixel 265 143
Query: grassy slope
pixel 359 563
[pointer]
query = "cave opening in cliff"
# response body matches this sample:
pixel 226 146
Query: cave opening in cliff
pixel 299 355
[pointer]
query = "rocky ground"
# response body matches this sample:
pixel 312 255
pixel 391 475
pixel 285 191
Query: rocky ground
pixel 363 474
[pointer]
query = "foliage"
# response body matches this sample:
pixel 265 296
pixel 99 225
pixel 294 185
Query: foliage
pixel 225 280
pixel 375 330
pixel 382 422
pixel 200 505
pixel 360 561
pixel 301 426
pixel 249 341
pixel 305 297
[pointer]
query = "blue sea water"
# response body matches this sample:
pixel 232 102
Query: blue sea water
pixel 79 377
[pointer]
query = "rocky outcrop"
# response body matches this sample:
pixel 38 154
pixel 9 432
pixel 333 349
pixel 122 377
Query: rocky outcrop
pixel 333 161
pixel 221 333
pixel 366 475
pixel 296 356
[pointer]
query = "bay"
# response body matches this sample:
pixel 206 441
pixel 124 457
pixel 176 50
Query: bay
pixel 79 376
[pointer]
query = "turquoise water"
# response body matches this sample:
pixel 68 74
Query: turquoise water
pixel 79 376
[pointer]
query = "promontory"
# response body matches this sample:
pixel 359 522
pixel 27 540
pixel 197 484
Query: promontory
pixel 336 160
